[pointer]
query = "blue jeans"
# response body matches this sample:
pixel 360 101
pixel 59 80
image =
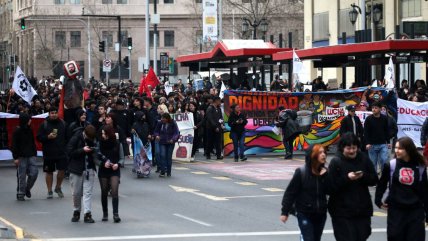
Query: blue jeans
pixel 238 144
pixel 378 154
pixel 311 225
pixel 166 157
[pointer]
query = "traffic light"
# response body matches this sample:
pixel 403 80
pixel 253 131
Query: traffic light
pixel 23 24
pixel 8 68
pixel 102 46
pixel 129 43
pixel 126 62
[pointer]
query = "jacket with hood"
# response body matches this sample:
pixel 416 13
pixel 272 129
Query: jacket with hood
pixel 79 159
pixel 141 126
pixel 350 198
pixel 236 127
pixel 23 144
pixel 306 190
pixel 53 149
pixel 76 125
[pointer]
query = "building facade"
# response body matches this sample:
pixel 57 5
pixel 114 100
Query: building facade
pixel 56 31
pixel 325 23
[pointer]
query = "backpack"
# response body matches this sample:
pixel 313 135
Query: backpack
pixel 302 169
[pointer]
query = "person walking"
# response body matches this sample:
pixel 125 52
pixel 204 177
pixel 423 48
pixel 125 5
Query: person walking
pixel 237 122
pixel 290 130
pixel 82 151
pixel 306 195
pixel 198 122
pixel 214 128
pixel 24 153
pixel 376 135
pixel 109 171
pixel 52 134
pixel 351 123
pixel 406 200
pixel 350 205
pixel 167 134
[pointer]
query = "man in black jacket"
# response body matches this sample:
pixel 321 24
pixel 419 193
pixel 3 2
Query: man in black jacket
pixel 350 204
pixel 351 123
pixel 81 149
pixel 24 153
pixel 214 128
pixel 52 134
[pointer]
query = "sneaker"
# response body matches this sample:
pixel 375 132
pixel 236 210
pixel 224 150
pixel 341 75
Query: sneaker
pixel 50 195
pixel 105 217
pixel 28 193
pixel 244 158
pixel 59 192
pixel 88 218
pixel 168 175
pixel 220 158
pixel 162 174
pixel 116 218
pixel 20 197
pixel 76 216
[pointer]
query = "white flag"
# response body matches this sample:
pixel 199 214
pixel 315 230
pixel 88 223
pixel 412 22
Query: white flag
pixel 390 75
pixel 168 88
pixel 297 64
pixel 22 86
pixel 374 84
pixel 223 88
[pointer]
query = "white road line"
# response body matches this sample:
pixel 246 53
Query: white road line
pixel 197 235
pixel 192 220
pixel 254 196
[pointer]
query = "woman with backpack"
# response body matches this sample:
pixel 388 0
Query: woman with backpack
pixel 406 200
pixel 305 196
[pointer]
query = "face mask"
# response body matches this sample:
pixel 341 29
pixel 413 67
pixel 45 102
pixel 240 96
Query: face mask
pixel 383 112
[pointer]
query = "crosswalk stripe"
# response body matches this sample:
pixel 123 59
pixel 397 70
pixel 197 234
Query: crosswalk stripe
pixel 200 173
pixel 273 189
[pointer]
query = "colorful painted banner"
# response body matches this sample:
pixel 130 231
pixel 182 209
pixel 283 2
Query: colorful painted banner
pixel 319 115
pixel 183 148
pixel 411 116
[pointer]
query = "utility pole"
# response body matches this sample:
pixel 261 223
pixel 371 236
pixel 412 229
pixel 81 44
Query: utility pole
pixel 155 42
pixel 147 34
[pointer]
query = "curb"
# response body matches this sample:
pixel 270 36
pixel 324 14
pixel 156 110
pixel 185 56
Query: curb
pixel 10 230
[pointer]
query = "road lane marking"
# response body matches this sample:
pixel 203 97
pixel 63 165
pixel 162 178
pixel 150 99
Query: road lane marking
pixel 193 220
pixel 199 235
pixel 222 178
pixel 273 189
pixel 200 173
pixel 253 196
pixel 379 214
pixel 246 183
pixel 196 192
pixel 19 232
pixel 180 168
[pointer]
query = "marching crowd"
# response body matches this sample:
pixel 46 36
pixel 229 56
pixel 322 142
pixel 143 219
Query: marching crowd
pixel 96 136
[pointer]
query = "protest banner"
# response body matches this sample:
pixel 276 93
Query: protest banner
pixel 183 147
pixel 411 116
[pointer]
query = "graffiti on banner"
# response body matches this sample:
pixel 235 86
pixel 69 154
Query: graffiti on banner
pixel 319 115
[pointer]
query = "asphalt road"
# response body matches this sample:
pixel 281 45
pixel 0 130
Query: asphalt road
pixel 204 201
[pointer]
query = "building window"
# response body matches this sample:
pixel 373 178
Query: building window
pixel 152 39
pixel 410 8
pixel 60 39
pixel 124 38
pixel 108 35
pixel 198 1
pixel 74 1
pixel 169 38
pixel 168 1
pixel 107 1
pixel 122 1
pixel 345 24
pixel 59 1
pixel 320 26
pixel 75 39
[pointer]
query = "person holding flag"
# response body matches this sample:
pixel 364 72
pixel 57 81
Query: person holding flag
pixel 148 83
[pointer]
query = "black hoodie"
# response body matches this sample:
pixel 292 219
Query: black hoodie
pixel 350 198
pixel 53 149
pixel 23 144
pixel 308 192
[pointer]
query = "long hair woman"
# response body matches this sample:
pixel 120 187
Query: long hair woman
pixel 406 198
pixel 306 197
pixel 167 134
pixel 109 171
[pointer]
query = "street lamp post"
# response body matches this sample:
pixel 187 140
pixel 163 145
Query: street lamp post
pixel 246 23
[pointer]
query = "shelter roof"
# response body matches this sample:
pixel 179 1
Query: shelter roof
pixel 357 49
pixel 233 49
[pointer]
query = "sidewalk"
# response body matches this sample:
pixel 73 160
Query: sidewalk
pixel 10 231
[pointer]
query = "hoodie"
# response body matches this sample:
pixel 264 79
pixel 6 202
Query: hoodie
pixel 53 149
pixel 306 190
pixel 76 125
pixel 141 126
pixel 23 144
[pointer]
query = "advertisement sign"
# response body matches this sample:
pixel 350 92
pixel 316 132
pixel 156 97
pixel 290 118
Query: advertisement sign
pixel 209 20
pixel 411 116
pixel 319 115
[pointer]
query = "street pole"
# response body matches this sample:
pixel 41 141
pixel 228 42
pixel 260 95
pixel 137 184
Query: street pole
pixel 89 50
pixel 147 35
pixel 373 38
pixel 130 65
pixel 106 57
pixel 119 40
pixel 220 21
pixel 363 14
pixel 155 38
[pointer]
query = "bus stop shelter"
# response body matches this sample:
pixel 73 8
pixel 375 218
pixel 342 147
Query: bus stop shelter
pixel 235 54
pixel 363 55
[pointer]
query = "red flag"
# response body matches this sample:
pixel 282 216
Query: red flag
pixel 61 104
pixel 150 79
